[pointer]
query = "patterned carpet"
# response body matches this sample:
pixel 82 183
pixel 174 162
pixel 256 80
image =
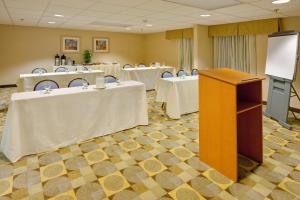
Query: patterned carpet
pixel 158 161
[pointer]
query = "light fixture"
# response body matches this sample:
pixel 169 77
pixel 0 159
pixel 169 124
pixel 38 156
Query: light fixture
pixel 58 15
pixel 128 28
pixel 280 1
pixel 51 22
pixel 205 15
pixel 145 22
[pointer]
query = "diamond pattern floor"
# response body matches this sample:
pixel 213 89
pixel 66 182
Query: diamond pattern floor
pixel 158 161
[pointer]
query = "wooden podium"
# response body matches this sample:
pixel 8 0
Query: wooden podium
pixel 230 117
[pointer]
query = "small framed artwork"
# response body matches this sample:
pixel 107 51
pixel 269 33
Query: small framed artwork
pixel 70 44
pixel 101 45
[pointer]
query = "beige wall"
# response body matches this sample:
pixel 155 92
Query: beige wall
pixel 202 47
pixel 23 48
pixel 159 49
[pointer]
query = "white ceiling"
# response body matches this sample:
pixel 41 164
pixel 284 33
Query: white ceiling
pixel 114 15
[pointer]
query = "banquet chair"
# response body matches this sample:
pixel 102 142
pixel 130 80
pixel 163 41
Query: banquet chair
pixel 127 66
pixel 61 69
pixel 39 70
pixel 141 65
pixel 110 79
pixel 82 68
pixel 195 72
pixel 181 73
pixel 42 85
pixel 78 82
pixel 166 74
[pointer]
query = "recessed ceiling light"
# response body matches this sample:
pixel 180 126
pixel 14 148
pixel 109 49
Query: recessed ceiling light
pixel 280 1
pixel 205 15
pixel 51 22
pixel 148 25
pixel 58 15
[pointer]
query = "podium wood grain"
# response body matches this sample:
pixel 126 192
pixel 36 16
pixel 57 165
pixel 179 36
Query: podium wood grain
pixel 230 121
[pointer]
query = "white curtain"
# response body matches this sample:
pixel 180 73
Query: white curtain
pixel 236 52
pixel 185 54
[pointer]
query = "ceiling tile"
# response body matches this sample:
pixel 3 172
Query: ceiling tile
pixel 267 4
pixel 163 15
pixel 157 5
pixel 66 11
pixel 136 12
pixel 244 11
pixel 128 3
pixel 79 4
pixel 4 17
pixel 109 8
pixel 20 12
pixel 206 5
pixel 185 10
pixel 27 4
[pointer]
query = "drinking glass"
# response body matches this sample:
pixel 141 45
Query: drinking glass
pixel 84 85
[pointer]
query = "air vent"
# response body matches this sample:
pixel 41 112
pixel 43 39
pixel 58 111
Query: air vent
pixel 204 4
pixel 110 24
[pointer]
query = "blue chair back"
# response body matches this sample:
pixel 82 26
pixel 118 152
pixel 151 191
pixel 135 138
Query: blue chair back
pixel 42 85
pixel 78 82
pixel 195 72
pixel 110 79
pixel 61 69
pixel 141 65
pixel 181 73
pixel 39 70
pixel 166 74
pixel 127 66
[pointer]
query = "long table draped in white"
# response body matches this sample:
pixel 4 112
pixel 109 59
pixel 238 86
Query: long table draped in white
pixel 28 81
pixel 147 75
pixel 108 68
pixel 179 94
pixel 38 122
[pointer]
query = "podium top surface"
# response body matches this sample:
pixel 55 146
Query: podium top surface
pixel 230 76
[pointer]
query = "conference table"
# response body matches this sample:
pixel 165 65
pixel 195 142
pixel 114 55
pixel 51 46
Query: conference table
pixel 38 121
pixel 27 82
pixel 179 94
pixel 146 75
pixel 108 68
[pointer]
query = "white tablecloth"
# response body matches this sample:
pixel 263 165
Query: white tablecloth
pixel 180 95
pixel 28 81
pixel 38 122
pixel 108 69
pixel 147 75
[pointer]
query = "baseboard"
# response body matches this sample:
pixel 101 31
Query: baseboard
pixel 8 86
pixel 296 110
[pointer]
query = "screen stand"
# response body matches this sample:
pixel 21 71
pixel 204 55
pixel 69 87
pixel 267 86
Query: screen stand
pixel 294 94
pixel 279 100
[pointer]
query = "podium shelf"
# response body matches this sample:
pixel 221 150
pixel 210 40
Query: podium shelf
pixel 244 106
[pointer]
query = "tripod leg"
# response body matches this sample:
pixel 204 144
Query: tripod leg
pixel 295 115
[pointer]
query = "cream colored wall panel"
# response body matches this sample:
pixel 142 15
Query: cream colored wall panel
pixel 24 48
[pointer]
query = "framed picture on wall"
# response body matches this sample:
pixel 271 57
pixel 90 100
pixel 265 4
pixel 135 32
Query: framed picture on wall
pixel 70 44
pixel 101 45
